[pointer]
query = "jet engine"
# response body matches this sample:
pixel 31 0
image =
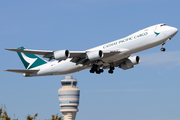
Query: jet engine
pixel 130 62
pixel 61 54
pixel 95 55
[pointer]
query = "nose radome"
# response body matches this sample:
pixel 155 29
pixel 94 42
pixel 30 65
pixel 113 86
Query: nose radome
pixel 175 30
pixel 172 31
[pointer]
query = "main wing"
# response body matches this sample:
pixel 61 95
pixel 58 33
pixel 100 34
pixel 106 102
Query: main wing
pixel 78 57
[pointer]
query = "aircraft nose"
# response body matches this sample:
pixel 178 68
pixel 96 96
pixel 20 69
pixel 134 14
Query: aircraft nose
pixel 175 30
pixel 172 31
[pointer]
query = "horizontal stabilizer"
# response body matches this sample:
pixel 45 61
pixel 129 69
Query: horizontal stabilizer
pixel 21 71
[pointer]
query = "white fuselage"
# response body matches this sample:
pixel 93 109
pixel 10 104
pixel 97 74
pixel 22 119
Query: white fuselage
pixel 136 42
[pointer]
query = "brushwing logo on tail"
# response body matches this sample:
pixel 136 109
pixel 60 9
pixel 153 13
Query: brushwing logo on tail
pixel 28 60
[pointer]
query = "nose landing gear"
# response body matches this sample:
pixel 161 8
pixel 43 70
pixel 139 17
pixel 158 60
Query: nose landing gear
pixel 163 49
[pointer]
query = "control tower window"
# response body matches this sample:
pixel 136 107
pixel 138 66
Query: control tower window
pixel 74 83
pixel 66 83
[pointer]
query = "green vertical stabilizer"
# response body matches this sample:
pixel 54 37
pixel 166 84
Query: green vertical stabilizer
pixel 30 60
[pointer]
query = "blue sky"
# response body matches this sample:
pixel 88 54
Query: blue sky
pixel 150 91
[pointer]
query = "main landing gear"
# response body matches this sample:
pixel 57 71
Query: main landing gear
pixel 96 68
pixel 111 70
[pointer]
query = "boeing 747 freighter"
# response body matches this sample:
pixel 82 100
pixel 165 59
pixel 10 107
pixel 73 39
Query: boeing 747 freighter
pixel 107 56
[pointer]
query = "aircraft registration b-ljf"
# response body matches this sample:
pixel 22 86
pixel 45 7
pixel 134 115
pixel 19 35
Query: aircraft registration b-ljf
pixel 108 56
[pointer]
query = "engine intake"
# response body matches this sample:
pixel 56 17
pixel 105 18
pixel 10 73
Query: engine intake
pixel 61 54
pixel 95 55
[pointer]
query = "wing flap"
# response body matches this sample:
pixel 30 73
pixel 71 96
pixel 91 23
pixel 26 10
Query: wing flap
pixel 21 71
pixel 75 59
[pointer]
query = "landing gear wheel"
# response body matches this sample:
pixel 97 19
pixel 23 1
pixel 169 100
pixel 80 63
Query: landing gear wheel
pixel 163 49
pixel 91 71
pixel 98 72
pixel 101 70
pixel 110 71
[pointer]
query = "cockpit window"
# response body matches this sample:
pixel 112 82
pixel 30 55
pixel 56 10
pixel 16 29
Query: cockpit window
pixel 163 25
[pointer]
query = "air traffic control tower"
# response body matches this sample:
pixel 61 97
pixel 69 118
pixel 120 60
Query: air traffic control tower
pixel 69 98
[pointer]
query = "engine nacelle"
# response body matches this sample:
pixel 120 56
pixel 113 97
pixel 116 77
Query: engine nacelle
pixel 130 62
pixel 134 60
pixel 61 54
pixel 125 67
pixel 95 55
